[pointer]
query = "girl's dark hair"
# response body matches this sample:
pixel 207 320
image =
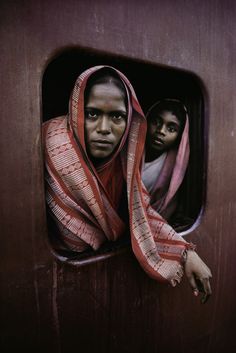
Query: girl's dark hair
pixel 174 106
pixel 105 75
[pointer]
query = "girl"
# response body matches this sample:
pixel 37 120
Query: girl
pixel 167 154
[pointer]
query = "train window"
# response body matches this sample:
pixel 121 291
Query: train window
pixel 151 82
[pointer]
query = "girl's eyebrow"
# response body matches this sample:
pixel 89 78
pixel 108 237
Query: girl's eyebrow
pixel 155 117
pixel 174 123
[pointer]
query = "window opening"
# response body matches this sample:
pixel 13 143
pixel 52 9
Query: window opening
pixel 151 83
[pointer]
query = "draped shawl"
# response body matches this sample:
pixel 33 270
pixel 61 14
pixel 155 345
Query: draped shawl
pixel 77 193
pixel 164 191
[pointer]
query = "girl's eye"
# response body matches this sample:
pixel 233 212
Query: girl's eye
pixel 157 122
pixel 172 129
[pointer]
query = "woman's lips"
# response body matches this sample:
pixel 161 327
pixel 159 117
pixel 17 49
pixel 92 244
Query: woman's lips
pixel 101 143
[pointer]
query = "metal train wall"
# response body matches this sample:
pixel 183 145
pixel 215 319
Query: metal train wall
pixel 108 304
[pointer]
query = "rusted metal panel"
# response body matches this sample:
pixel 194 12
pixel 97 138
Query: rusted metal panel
pixel 112 305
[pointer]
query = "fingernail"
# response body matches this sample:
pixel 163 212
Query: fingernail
pixel 195 292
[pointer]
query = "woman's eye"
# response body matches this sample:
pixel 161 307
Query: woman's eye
pixel 118 118
pixel 91 115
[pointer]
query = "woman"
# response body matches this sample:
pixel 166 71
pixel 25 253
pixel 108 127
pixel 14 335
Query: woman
pixel 91 155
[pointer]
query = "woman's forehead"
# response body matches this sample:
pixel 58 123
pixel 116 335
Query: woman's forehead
pixel 105 93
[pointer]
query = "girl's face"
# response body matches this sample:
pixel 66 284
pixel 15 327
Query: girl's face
pixel 105 119
pixel 163 132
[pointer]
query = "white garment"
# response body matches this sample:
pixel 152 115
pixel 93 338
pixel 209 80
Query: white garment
pixel 151 171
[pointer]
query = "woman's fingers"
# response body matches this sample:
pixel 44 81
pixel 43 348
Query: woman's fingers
pixel 200 286
pixel 193 285
pixel 198 274
pixel 207 290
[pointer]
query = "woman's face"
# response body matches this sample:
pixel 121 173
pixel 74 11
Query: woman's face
pixel 105 119
pixel 163 131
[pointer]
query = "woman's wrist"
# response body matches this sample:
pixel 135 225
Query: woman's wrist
pixel 190 247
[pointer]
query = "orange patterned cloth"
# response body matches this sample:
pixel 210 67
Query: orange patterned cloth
pixel 84 200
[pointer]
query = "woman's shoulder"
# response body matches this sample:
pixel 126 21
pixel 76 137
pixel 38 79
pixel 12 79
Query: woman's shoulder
pixel 59 120
pixel 55 131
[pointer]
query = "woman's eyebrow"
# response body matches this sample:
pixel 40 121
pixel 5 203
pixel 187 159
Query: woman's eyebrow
pixel 92 108
pixel 116 111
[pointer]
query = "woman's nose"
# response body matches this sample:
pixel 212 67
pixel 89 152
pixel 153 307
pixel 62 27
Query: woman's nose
pixel 103 125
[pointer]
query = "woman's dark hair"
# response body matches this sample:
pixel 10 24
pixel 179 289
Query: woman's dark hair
pixel 105 75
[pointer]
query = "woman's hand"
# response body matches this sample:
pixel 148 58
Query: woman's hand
pixel 198 275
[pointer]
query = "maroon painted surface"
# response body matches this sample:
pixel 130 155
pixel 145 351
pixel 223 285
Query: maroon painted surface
pixel 111 305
